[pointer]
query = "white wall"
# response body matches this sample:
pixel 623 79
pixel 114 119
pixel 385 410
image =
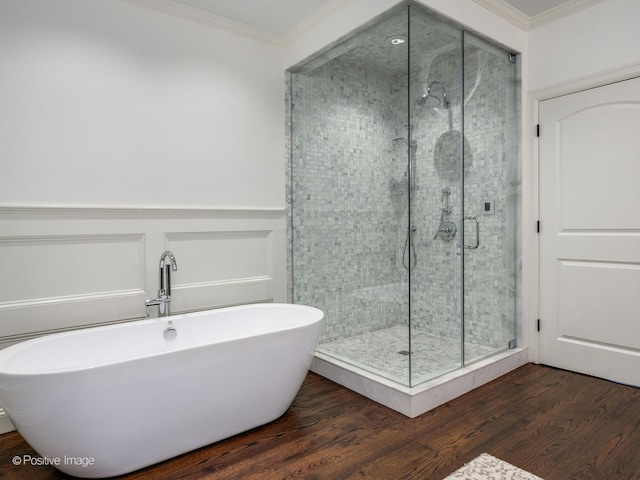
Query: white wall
pixel 591 42
pixel 108 103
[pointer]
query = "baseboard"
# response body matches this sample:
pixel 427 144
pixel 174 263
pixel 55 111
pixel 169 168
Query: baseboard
pixel 5 424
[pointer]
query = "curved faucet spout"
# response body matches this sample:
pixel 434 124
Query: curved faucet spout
pixel 165 273
pixel 172 258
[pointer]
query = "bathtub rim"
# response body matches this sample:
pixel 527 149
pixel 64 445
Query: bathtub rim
pixel 316 315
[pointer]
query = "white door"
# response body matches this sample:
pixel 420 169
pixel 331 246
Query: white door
pixel 590 232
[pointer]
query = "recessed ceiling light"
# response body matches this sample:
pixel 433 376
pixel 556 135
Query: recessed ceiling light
pixel 397 39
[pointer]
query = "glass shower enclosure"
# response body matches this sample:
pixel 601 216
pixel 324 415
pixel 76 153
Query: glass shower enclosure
pixel 403 196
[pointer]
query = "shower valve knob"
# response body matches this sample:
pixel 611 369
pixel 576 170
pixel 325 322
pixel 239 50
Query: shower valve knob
pixel 446 231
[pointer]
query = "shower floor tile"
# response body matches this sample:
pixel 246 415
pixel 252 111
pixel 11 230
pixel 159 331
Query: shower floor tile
pixel 385 352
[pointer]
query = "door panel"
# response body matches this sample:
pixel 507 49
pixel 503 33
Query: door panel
pixel 590 231
pixel 599 166
pixel 598 290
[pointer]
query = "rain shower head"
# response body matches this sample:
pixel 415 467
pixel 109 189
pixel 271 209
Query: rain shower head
pixel 431 100
pixel 428 100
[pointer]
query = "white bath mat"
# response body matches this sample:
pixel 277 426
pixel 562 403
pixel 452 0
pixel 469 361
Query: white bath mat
pixel 486 467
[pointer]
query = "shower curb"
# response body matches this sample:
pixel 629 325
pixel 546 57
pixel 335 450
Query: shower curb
pixel 414 401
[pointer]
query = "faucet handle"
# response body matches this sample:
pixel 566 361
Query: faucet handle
pixel 153 302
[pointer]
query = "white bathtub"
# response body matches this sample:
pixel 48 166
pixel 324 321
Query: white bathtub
pixel 105 401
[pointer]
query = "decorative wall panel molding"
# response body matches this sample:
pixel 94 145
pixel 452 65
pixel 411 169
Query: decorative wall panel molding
pixel 39 261
pixel 66 268
pixel 220 264
pixel 250 259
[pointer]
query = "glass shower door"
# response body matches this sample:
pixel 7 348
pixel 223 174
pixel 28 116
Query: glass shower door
pixel 435 112
pixel 490 199
pixel 350 182
pixel 463 200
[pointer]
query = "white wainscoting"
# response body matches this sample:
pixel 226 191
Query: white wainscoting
pixel 66 268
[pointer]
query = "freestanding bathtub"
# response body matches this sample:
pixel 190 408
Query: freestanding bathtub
pixel 108 400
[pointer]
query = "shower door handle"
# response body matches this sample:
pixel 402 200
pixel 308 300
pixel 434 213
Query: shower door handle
pixel 475 219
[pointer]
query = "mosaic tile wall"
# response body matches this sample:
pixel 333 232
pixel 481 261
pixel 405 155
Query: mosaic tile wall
pixel 349 184
pixel 347 210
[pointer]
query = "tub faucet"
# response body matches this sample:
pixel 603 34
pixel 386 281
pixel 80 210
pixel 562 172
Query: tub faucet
pixel 164 294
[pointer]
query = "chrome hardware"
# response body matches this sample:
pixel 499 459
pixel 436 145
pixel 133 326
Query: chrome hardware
pixel 410 248
pixel 170 334
pixel 446 231
pixel 475 219
pixel 163 300
pixel 155 302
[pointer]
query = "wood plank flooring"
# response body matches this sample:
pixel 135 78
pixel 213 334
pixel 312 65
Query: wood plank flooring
pixel 556 424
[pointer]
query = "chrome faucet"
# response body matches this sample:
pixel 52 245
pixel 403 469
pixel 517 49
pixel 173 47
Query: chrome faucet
pixel 164 294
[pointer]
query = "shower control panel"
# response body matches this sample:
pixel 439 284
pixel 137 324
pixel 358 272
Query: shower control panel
pixel 487 207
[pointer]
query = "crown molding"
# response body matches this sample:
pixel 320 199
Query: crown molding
pixel 561 11
pixel 314 19
pixel 525 22
pixel 206 18
pixel 506 11
pixel 239 28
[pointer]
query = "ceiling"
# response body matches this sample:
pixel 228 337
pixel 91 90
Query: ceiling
pixel 281 20
pixel 531 8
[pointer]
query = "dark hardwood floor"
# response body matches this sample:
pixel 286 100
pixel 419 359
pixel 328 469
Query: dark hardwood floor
pixel 556 424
